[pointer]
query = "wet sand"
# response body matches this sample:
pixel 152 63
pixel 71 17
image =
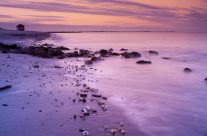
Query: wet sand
pixel 41 99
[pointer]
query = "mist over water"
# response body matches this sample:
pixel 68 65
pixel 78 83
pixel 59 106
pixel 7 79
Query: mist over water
pixel 160 99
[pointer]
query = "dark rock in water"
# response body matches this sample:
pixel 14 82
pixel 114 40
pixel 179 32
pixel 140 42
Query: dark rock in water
pixel 83 52
pixel 88 62
pixel 95 58
pixel 5 105
pixel 103 53
pixel 6 46
pixel 115 54
pixel 166 58
pixel 131 54
pixel 153 52
pixel 144 62
pixel 62 56
pixel 63 48
pixel 187 70
pixel 205 79
pixel 122 49
pixel 110 50
pixel 97 95
pixel 5 87
pixel 135 54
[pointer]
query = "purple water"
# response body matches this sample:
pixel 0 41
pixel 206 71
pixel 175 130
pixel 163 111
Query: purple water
pixel 160 99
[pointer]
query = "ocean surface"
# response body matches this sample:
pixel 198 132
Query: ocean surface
pixel 160 98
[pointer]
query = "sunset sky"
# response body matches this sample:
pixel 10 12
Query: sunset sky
pixel 47 15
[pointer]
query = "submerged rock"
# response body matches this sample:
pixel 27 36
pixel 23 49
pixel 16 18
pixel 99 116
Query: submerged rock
pixel 188 70
pixel 115 54
pixel 166 58
pixel 143 62
pixel 153 52
pixel 122 49
pixel 205 79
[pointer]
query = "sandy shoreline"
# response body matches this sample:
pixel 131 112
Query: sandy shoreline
pixel 40 101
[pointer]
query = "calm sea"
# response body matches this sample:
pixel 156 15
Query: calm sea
pixel 160 99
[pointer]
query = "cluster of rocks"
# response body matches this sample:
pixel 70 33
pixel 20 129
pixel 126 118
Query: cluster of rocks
pixel 49 51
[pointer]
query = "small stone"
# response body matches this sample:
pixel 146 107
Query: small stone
pixel 205 79
pixel 106 127
pixel 94 111
pixel 143 62
pixel 82 99
pixel 83 95
pixel 123 132
pixel 97 95
pixel 113 131
pixel 5 105
pixel 105 98
pixel 85 133
pixel 40 110
pixel 81 130
pixel 74 116
pixel 88 108
pixel 82 115
pixel 104 107
pixel 121 124
pixel 36 66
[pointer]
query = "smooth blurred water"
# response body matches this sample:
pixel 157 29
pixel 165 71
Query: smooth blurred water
pixel 160 98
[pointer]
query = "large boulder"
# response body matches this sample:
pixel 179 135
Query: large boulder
pixel 131 54
pixel 44 52
pixel 103 53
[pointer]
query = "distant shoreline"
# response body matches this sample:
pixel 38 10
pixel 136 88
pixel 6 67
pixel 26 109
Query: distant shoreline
pixel 108 31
